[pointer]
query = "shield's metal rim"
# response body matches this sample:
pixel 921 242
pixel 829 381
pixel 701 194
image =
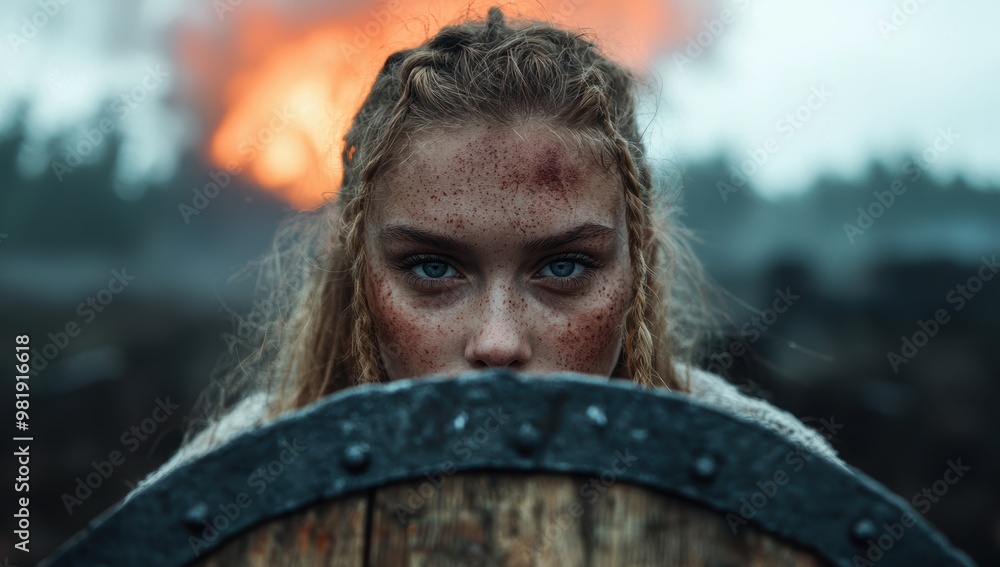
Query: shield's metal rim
pixel 370 436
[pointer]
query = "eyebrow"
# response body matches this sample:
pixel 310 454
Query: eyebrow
pixel 410 234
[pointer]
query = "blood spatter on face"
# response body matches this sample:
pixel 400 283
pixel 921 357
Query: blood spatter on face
pixel 493 190
pixel 549 171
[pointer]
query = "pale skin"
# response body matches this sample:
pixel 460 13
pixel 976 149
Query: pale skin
pixel 498 246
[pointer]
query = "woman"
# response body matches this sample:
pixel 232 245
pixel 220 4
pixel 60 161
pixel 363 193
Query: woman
pixel 497 209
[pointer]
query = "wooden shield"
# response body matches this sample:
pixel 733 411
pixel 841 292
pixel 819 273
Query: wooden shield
pixel 499 469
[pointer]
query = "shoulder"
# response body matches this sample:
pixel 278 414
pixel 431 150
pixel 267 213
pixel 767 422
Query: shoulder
pixel 715 391
pixel 705 387
pixel 247 414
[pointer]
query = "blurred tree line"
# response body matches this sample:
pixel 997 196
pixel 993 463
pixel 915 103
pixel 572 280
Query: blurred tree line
pixel 826 357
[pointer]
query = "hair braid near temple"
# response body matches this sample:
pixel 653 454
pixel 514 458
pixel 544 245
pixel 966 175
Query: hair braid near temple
pixel 529 89
pixel 497 73
pixel 493 72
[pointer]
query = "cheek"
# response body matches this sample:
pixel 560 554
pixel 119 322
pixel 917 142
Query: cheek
pixel 410 342
pixel 590 342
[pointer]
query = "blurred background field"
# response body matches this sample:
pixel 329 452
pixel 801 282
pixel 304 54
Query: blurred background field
pixel 831 105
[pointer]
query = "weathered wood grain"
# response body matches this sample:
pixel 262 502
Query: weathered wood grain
pixel 508 520
pixel 331 534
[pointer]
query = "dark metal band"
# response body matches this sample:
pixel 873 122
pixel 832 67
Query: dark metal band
pixel 367 437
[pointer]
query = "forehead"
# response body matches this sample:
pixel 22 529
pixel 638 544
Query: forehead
pixel 528 176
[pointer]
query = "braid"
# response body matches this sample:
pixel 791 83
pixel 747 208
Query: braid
pixel 364 349
pixel 494 72
pixel 638 347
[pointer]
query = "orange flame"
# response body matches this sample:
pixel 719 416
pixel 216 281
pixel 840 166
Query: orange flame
pixel 296 86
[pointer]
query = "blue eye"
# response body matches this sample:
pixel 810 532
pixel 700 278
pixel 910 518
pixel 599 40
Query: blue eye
pixel 432 273
pixel 562 269
pixel 433 270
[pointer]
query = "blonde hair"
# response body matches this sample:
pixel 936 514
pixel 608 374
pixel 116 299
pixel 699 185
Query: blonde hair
pixel 321 336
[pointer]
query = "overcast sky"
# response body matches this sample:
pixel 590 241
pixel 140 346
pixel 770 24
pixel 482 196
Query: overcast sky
pixel 890 89
pixel 877 90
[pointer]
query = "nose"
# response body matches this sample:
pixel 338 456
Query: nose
pixel 500 336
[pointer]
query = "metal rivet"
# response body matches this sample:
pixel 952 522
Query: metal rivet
pixel 357 457
pixel 528 438
pixel 596 415
pixel 705 467
pixel 460 421
pixel 196 516
pixel 864 530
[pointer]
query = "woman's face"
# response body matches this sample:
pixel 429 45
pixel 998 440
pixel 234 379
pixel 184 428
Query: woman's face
pixel 498 247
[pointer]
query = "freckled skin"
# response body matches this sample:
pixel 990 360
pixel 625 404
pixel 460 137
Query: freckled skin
pixel 494 189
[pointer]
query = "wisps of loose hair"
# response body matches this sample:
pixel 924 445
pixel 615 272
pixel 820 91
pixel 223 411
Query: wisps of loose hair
pixel 319 335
